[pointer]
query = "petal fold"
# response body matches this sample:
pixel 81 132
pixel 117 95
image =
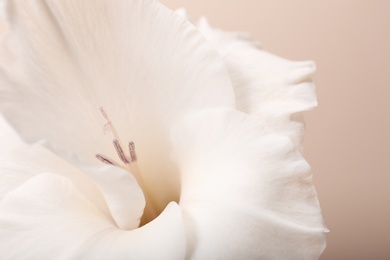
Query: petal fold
pixel 49 210
pixel 35 215
pixel 120 189
pixel 163 238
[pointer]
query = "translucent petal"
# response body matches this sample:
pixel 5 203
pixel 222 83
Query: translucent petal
pixel 244 183
pixel 47 218
pixel 144 64
pixel 264 84
pixel 271 88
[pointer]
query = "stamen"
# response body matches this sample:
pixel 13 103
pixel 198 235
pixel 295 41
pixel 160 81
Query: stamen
pixel 131 166
pixel 133 155
pixel 119 151
pixel 104 159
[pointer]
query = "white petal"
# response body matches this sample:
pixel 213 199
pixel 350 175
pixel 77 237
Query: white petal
pixel 244 183
pixel 124 197
pixel 144 64
pixel 47 218
pixel 264 84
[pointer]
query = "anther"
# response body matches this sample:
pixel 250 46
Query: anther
pixel 119 151
pixel 133 155
pixel 104 159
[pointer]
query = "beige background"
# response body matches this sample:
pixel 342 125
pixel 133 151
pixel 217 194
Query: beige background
pixel 347 141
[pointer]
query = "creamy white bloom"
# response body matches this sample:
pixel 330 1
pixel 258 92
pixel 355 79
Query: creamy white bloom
pixel 211 116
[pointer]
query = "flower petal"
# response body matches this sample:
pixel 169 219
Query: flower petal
pixel 245 186
pixel 143 64
pixel 48 210
pixel 264 84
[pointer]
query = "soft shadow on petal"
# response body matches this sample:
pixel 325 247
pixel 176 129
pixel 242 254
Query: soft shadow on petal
pixel 144 64
pixel 163 238
pixel 47 218
pixel 12 174
pixel 19 162
pixel 124 197
pixel 239 176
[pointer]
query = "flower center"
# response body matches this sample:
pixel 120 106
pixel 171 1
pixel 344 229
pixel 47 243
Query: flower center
pixel 129 163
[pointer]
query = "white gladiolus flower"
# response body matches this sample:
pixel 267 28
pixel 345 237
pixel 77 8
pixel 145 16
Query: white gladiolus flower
pixel 130 133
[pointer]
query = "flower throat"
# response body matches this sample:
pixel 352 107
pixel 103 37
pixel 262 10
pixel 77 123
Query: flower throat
pixel 129 163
